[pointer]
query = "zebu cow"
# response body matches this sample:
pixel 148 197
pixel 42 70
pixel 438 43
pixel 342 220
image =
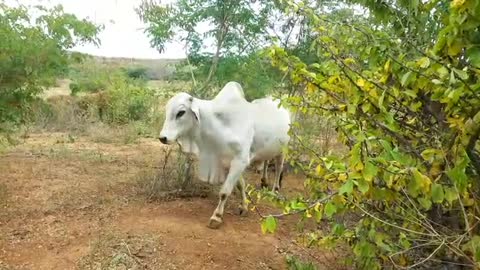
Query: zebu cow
pixel 225 132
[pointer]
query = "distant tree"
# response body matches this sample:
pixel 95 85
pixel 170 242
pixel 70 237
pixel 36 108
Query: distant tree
pixel 238 29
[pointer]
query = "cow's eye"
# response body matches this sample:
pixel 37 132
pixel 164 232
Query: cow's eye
pixel 180 114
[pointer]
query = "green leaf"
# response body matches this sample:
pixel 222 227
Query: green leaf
pixel 363 186
pixel 419 184
pixel 458 175
pixel 437 193
pixel 425 203
pixel 473 55
pixel 370 171
pixel 330 209
pixel 442 72
pixel 450 194
pixel 381 100
pixel 452 78
pixel 407 78
pixel 474 247
pixel 461 74
pixel 355 158
pixel 347 187
pixel 269 225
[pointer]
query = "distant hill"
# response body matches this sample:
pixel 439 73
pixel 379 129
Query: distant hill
pixel 157 68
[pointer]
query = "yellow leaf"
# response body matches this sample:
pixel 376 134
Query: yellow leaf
pixel 436 169
pixel 457 3
pixel 455 48
pixel 384 78
pixel 386 67
pixel 412 121
pixel 468 201
pixel 423 62
pixel 361 82
pixel 320 170
pixel 317 207
pixel 342 177
pixel 373 92
pixel 332 79
pixel 456 122
pixel 402 260
pixel 359 166
pixel 423 181
pixel 322 29
pixel 310 88
pixel 349 61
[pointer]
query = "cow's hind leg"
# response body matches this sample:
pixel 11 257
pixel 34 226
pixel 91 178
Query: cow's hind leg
pixel 278 172
pixel 242 209
pixel 237 166
pixel 263 180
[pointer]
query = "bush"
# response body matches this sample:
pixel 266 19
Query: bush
pixel 137 73
pixel 128 101
pixel 92 77
pixel 87 85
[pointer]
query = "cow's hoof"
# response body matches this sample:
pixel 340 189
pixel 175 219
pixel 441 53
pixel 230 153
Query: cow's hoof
pixel 214 223
pixel 241 211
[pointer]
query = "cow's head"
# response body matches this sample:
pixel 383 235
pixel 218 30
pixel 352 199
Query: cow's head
pixel 181 116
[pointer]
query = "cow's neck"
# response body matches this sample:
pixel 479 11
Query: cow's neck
pixel 207 130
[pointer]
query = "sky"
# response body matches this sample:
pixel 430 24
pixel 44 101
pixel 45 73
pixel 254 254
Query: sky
pixel 123 34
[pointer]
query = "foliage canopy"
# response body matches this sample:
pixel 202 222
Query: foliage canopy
pixel 33 53
pixel 402 86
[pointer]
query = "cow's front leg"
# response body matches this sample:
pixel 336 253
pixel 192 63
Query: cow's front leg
pixel 279 160
pixel 237 166
pixel 242 209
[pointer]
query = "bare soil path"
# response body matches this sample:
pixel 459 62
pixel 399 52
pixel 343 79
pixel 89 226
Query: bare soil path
pixel 76 205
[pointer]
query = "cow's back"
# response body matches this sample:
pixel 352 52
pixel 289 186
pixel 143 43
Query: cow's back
pixel 271 125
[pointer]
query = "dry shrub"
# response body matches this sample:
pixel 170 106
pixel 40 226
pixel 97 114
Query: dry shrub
pixel 130 133
pixel 174 178
pixel 313 134
pixel 61 113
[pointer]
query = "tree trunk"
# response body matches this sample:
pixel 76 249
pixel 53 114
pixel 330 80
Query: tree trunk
pixel 215 59
pixel 222 32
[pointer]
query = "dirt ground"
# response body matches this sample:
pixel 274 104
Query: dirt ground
pixel 75 204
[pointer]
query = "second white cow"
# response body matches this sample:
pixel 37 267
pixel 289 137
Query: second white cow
pixel 225 132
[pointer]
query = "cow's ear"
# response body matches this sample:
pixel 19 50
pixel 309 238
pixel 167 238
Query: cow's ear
pixel 195 109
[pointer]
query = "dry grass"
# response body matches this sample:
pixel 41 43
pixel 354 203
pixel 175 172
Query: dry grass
pixel 3 195
pixel 174 178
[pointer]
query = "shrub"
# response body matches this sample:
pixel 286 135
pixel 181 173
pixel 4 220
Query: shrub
pixel 128 101
pixel 137 73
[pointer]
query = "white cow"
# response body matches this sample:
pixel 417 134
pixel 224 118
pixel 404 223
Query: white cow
pixel 274 149
pixel 225 132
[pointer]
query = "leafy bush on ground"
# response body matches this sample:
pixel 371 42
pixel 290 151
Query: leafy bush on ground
pixel 405 102
pixel 137 72
pixel 128 101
